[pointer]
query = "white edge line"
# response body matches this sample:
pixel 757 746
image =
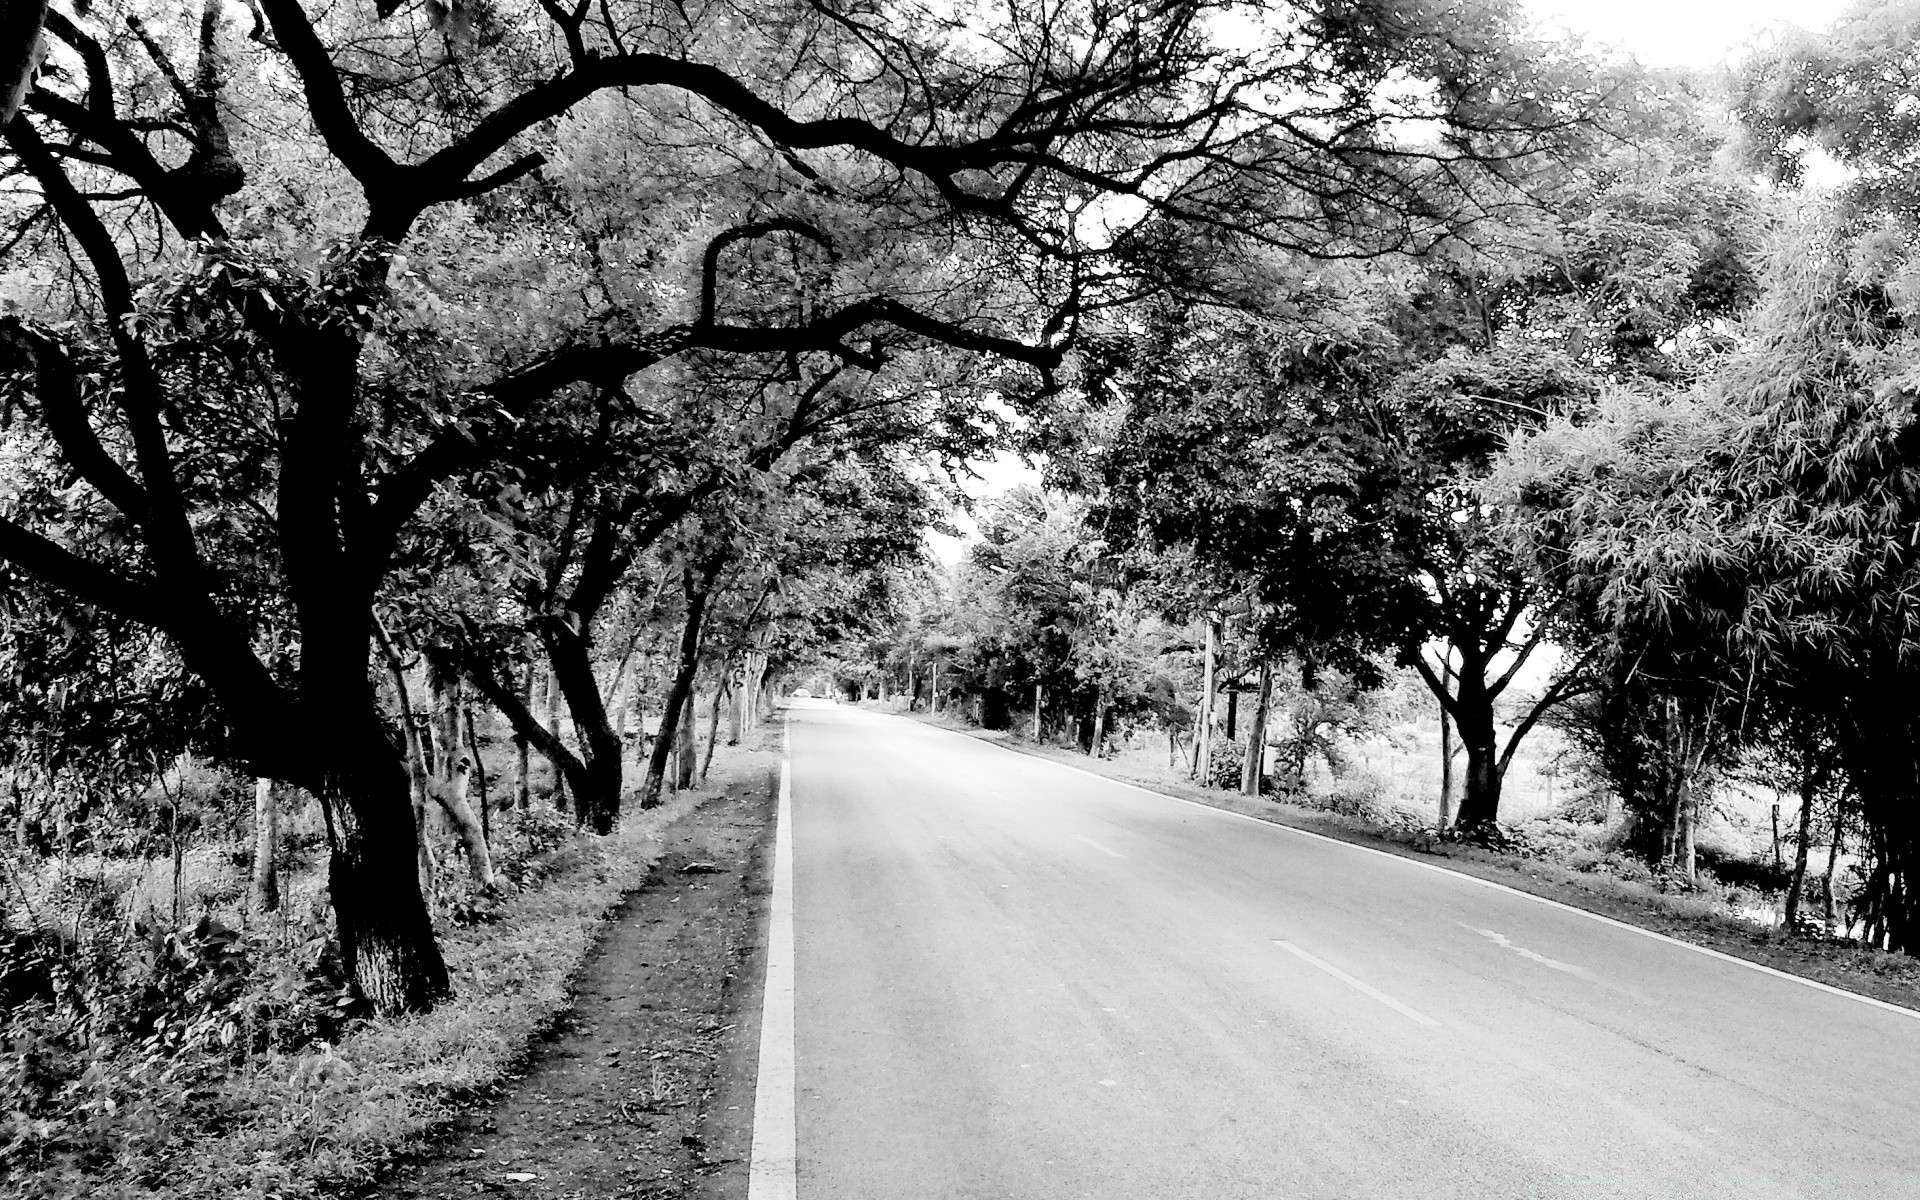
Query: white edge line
pixel 772 1169
pixel 1723 956
pixel 1364 988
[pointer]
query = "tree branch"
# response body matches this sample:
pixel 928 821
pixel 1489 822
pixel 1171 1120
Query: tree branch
pixel 1572 683
pixel 81 578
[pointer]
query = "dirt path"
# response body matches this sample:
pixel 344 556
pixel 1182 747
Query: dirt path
pixel 636 1094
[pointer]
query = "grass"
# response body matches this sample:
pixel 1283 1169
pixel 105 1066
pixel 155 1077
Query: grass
pixel 330 1118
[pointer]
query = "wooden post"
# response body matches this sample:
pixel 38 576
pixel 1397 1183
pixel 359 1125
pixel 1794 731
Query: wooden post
pixel 1203 754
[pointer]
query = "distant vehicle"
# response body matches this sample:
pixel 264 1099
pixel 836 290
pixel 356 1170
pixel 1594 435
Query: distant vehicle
pixel 802 694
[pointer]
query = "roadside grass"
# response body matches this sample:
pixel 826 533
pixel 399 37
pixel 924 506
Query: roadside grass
pixel 1707 916
pixel 331 1118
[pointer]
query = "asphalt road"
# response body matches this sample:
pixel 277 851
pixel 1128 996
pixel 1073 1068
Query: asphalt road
pixel 1017 980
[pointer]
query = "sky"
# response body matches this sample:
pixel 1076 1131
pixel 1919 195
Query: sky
pixel 1680 33
pixel 1660 33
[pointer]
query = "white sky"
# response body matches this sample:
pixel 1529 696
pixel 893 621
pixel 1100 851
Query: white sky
pixel 1680 33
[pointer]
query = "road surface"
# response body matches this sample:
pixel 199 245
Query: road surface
pixel 1017 980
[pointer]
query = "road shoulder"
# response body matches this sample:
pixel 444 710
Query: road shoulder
pixel 634 1091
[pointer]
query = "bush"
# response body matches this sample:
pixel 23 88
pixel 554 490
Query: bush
pixel 113 1052
pixel 1224 762
pixel 1358 794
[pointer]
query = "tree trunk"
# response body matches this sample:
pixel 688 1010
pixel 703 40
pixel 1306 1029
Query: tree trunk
pixel 479 777
pixel 522 763
pixel 687 743
pixel 1779 863
pixel 678 694
pixel 1798 884
pixel 526 724
pixel 1097 747
pixel 1473 723
pixel 713 726
pixel 735 703
pixel 1833 860
pixel 386 937
pixel 453 778
pixel 596 790
pixel 1251 768
pixel 623 693
pixel 265 892
pixel 1203 741
pixel 934 699
pixel 553 730
pixel 1233 712
pixel 1039 691
pixel 1689 816
pixel 419 772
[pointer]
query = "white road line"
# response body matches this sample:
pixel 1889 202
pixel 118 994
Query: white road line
pixel 1366 989
pixel 771 1171
pixel 1734 959
pixel 1552 964
pixel 1097 846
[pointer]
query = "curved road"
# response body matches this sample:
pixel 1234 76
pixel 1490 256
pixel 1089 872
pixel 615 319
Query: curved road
pixel 1017 980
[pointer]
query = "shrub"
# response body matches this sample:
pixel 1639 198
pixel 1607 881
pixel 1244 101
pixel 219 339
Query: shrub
pixel 1358 794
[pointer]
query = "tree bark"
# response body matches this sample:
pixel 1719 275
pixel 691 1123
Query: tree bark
pixel 696 588
pixel 522 764
pixel 479 777
pixel 1474 723
pixel 623 692
pixel 520 716
pixel 453 776
pixel 1798 884
pixel 1833 860
pixel 1039 692
pixel 1250 769
pixel 419 772
pixel 560 777
pixel 386 937
pixel 713 726
pixel 596 791
pixel 1097 746
pixel 1689 817
pixel 687 743
pixel 264 894
pixel 1779 863
pixel 735 685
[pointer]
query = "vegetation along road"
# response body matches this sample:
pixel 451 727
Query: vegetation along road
pixel 438 438
pixel 1015 979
